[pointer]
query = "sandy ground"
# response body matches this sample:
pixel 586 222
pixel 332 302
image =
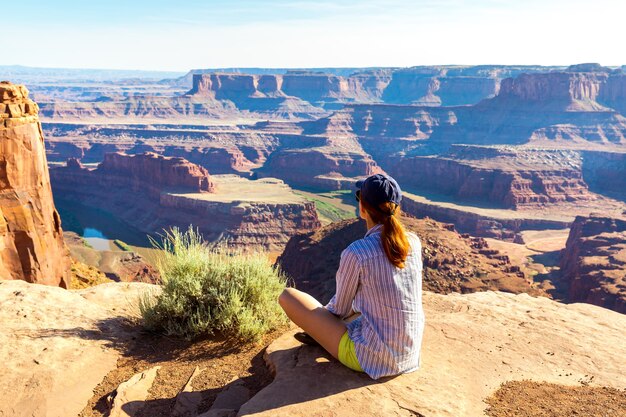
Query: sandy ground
pixel 533 399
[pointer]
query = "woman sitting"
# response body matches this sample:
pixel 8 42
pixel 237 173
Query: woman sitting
pixel 379 277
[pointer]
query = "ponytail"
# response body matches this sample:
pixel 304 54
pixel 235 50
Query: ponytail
pixel 393 236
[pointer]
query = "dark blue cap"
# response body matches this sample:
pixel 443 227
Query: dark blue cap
pixel 378 189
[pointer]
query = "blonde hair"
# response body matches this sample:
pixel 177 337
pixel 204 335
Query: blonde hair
pixel 393 236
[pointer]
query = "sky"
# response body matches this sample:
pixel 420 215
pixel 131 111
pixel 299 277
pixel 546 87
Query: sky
pixel 178 35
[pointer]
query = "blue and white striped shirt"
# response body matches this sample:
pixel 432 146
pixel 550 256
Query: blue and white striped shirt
pixel 388 334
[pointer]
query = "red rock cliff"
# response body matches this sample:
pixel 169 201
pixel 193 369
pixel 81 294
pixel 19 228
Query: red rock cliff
pixel 31 238
pixel 159 171
pixel 504 177
pixel 593 263
pixel 309 86
pixel 554 86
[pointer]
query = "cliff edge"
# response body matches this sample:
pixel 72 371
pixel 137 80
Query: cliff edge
pixel 31 239
pixel 472 344
pixel 54 361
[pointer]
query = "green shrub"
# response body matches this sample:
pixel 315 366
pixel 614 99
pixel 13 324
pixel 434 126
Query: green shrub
pixel 207 290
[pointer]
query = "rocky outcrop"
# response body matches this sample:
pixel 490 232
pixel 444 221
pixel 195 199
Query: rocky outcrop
pixel 472 344
pixel 500 176
pixel 593 263
pixel 290 95
pixel 58 345
pixel 479 221
pixel 138 107
pixel 59 364
pixel 31 239
pixel 155 171
pixel 613 93
pixel 574 90
pixel 565 108
pixel 320 168
pixel 437 86
pixel 252 225
pixel 452 262
pixel 306 86
pixel 585 87
pixel 146 173
pixel 252 214
pixel 553 107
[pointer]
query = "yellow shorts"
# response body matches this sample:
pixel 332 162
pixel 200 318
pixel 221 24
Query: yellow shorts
pixel 347 353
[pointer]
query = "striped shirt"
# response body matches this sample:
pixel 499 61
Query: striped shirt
pixel 388 334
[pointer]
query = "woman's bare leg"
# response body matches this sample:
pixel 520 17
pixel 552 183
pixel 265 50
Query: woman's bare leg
pixel 313 318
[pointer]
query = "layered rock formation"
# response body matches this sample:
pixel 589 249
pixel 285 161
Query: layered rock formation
pixel 484 222
pixel 154 193
pixel 434 86
pixel 452 262
pixel 326 154
pixel 31 239
pixel 146 173
pixel 220 148
pixel 553 107
pixel 593 263
pixel 500 176
pixel 139 107
pixel 565 107
pixel 152 171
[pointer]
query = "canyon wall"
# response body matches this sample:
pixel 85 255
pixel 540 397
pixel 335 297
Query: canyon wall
pixel 593 263
pixel 312 87
pixel 477 222
pixel 319 168
pixel 156 172
pixel 146 173
pixel 432 86
pixel 438 86
pixel 153 193
pixel 31 239
pixel 605 171
pixel 498 176
pixel 564 108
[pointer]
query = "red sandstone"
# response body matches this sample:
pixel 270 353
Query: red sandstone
pixel 31 239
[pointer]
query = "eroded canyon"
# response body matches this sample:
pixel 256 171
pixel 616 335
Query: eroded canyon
pixel 495 150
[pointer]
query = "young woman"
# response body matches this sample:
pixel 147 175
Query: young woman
pixel 380 277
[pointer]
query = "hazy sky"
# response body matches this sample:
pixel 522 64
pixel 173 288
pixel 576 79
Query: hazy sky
pixel 185 34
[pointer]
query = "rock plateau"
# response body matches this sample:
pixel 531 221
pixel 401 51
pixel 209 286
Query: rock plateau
pixel 53 361
pixel 153 193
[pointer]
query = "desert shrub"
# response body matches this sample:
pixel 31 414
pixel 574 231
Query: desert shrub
pixel 210 289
